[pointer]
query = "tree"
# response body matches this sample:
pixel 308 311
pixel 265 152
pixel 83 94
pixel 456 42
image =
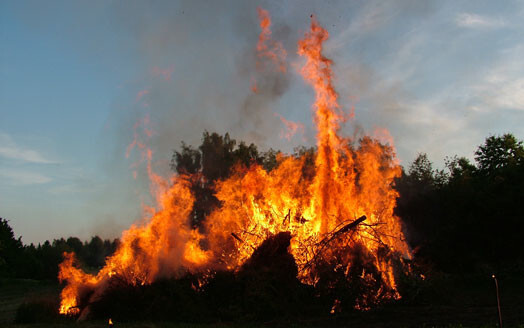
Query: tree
pixel 74 244
pixel 217 155
pixel 212 161
pixel 460 168
pixel 421 171
pixel 471 218
pixel 187 160
pixel 95 254
pixel 10 249
pixel 499 152
pixel 419 200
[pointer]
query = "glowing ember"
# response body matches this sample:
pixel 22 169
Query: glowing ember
pixel 317 203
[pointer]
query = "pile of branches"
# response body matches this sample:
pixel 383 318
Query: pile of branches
pixel 263 288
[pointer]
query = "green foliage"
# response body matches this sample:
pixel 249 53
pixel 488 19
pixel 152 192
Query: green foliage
pixel 460 169
pixel 187 160
pixel 212 161
pixel 499 152
pixel 469 219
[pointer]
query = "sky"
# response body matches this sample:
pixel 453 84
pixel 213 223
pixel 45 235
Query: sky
pixel 75 77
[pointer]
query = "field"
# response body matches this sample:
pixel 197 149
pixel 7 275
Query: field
pixel 464 302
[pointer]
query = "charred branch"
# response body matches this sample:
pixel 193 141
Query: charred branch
pixel 332 236
pixel 234 235
pixel 342 230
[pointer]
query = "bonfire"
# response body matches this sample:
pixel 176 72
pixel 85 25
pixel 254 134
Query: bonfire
pixel 339 216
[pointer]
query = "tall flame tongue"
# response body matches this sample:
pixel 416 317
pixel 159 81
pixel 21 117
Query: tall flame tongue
pixel 314 196
pixel 345 183
pixel 317 71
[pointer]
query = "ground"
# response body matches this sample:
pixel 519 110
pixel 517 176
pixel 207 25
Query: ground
pixel 473 306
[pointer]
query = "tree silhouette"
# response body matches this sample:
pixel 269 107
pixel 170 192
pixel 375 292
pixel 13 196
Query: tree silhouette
pixel 10 248
pixel 211 162
pixel 469 218
pixel 499 152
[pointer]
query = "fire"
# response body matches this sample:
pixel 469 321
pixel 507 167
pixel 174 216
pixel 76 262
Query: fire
pixel 317 202
pixel 266 47
pixel 292 128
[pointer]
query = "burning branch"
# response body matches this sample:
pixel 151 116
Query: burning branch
pixel 336 233
pixel 237 237
pixel 332 236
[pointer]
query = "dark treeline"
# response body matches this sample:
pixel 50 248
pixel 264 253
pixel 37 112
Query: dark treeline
pixel 41 261
pixel 466 218
pixel 469 217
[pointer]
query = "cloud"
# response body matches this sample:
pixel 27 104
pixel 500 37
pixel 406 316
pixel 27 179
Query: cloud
pixel 508 93
pixel 435 126
pixel 65 189
pixel 502 84
pixel 370 18
pixel 468 20
pixel 374 16
pixel 9 149
pixel 22 177
pixel 74 183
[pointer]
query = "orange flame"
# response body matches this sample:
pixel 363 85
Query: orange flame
pixel 312 202
pixel 317 71
pixel 266 47
pixel 291 127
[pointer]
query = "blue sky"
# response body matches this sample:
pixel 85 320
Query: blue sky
pixel 76 75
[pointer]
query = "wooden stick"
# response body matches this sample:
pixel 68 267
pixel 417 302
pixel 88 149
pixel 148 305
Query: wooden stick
pixel 237 237
pixel 498 300
pixel 344 229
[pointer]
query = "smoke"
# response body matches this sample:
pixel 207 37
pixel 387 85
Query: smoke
pixel 266 67
pixel 191 66
pixel 209 50
pixel 196 65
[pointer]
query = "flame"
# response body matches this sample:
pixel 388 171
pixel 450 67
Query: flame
pixel 253 86
pixel 291 128
pixel 313 200
pixel 266 47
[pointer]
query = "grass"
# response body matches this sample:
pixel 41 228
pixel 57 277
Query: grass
pixel 14 292
pixel 467 303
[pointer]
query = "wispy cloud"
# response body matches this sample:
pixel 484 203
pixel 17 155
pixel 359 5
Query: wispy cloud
pixel 502 84
pixel 65 189
pixel 74 187
pixel 370 17
pixel 10 150
pixel 23 177
pixel 469 20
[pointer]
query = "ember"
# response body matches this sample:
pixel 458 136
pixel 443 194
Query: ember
pixel 339 221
